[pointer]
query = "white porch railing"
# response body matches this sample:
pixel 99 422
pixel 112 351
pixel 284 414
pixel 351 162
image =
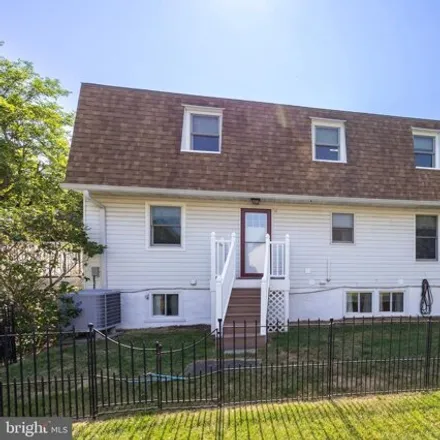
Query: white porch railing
pixel 275 280
pixel 265 281
pixel 276 275
pixel 219 252
pixel 223 271
pixel 280 258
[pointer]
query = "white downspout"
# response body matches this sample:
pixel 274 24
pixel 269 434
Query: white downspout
pixel 212 283
pixel 329 270
pixel 103 234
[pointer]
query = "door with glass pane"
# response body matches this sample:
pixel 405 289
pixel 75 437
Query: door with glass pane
pixel 255 224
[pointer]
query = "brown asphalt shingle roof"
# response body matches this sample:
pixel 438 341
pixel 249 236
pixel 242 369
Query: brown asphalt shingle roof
pixel 129 137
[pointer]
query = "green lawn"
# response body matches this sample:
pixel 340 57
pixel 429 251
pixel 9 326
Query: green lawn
pixel 62 356
pixel 367 357
pixel 410 416
pixel 378 340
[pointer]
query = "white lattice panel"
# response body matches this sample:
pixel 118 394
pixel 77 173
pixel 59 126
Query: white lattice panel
pixel 275 311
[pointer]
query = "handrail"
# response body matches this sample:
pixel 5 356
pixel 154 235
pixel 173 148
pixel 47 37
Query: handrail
pixel 219 251
pixel 280 258
pixel 224 282
pixel 265 288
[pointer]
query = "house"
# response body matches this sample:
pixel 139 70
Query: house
pixel 215 208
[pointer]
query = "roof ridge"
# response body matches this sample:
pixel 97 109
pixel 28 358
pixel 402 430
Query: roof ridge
pixel 302 107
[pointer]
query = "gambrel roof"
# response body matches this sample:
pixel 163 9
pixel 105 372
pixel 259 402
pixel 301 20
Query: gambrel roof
pixel 132 138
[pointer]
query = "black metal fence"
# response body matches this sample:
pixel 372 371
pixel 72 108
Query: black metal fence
pixel 8 349
pixel 88 375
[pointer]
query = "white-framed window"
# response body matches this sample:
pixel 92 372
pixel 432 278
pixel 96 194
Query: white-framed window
pixel 165 225
pixel 165 304
pixel 426 237
pixel 202 129
pixel 391 302
pixel 342 228
pixel 426 148
pixel 375 301
pixel 328 140
pixel 359 302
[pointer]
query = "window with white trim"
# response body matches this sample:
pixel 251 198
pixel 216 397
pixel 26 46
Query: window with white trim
pixel 426 237
pixel 426 148
pixel 165 304
pixel 165 226
pixel 328 139
pixel 202 129
pixel 359 302
pixel 391 302
pixel 342 228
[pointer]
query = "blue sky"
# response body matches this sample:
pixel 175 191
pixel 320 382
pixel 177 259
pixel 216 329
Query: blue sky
pixel 378 56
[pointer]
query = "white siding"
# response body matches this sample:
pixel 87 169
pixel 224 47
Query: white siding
pixel 91 216
pixel 92 219
pixel 383 255
pixel 132 266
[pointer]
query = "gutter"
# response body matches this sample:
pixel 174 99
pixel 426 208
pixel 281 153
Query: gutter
pixel 238 195
pixel 103 232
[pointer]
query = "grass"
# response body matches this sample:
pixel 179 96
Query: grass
pixel 358 339
pixel 62 370
pixel 409 416
pixel 63 355
pixel 293 364
pixel 182 345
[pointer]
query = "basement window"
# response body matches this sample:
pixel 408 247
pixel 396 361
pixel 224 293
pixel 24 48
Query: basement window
pixel 165 304
pixel 391 302
pixel 328 139
pixel 359 302
pixel 202 129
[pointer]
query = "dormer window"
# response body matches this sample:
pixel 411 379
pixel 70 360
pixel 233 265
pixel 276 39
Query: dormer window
pixel 328 140
pixel 205 133
pixel 426 148
pixel 202 127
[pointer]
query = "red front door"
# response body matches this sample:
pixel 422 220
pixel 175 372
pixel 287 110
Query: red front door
pixel 255 224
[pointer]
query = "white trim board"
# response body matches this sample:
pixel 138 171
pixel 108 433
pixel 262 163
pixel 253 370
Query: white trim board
pixel 238 195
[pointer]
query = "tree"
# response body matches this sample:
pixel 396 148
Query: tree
pixel 39 221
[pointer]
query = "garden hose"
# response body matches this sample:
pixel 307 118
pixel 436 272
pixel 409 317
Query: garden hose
pixel 426 299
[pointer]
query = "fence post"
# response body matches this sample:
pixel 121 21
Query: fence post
pixel 11 323
pixel 6 361
pixel 330 359
pixel 91 364
pixel 159 374
pixel 428 351
pixel 220 363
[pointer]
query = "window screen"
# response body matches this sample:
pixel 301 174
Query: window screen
pixel 166 225
pixel 342 228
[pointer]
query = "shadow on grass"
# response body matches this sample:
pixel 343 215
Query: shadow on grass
pixel 384 417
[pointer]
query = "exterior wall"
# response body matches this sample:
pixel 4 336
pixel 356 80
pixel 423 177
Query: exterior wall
pixel 382 256
pixel 326 304
pixel 194 308
pixel 93 222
